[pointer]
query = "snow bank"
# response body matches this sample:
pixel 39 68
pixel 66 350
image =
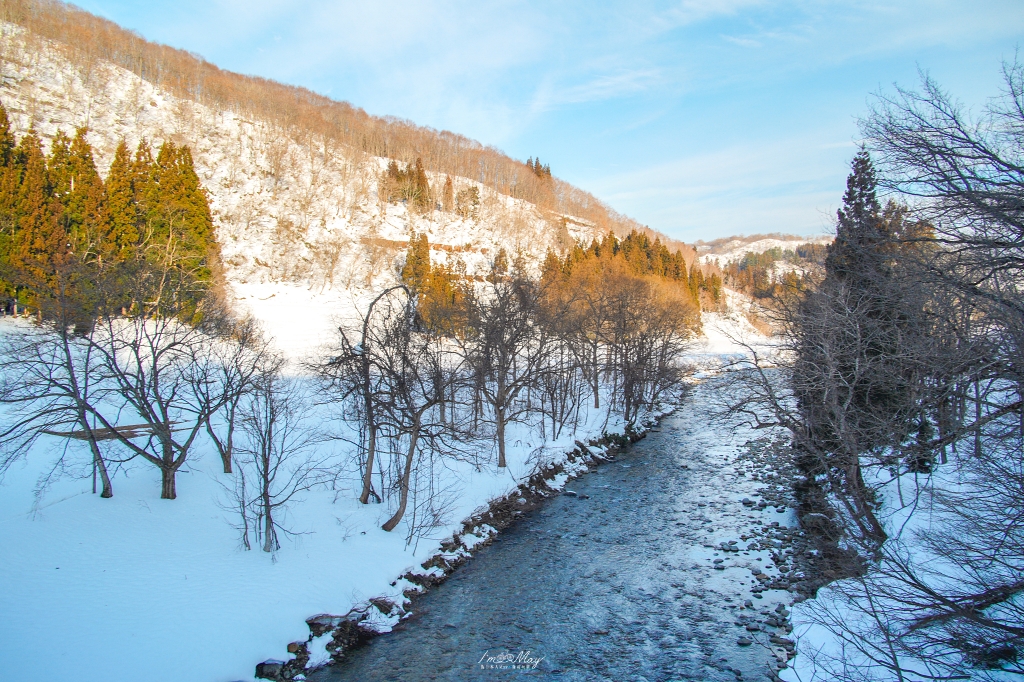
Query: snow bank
pixel 139 588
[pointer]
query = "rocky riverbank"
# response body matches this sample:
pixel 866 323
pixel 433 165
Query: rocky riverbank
pixel 333 637
pixel 687 542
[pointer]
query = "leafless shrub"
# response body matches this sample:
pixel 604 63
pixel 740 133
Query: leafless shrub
pixel 278 458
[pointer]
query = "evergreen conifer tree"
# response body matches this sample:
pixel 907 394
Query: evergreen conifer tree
pixel 416 270
pixel 78 190
pixel 124 216
pixel 10 178
pixel 448 195
pixel 41 245
pixel 858 252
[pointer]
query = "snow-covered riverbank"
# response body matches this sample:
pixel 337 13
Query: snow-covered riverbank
pixel 151 589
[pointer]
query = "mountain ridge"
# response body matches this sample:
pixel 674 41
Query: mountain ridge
pixel 87 40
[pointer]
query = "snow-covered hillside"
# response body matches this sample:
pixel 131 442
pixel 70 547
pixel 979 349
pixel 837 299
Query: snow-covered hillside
pixel 734 249
pixel 294 213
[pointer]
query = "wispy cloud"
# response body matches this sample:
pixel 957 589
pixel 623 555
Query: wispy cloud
pixel 785 185
pixel 742 42
pixel 689 12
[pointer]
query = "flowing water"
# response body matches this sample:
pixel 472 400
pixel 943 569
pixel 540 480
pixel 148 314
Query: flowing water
pixel 617 583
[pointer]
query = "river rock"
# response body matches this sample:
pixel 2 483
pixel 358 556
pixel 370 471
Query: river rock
pixel 269 670
pixel 744 641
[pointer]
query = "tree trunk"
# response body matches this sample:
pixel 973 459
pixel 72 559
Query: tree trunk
pixel 269 534
pixel 499 418
pixel 406 478
pixel 225 454
pixel 977 417
pixel 167 491
pixel 371 422
pixel 874 527
pixel 371 451
pixel 100 466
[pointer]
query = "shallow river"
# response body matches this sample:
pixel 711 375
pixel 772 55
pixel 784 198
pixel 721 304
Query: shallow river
pixel 618 583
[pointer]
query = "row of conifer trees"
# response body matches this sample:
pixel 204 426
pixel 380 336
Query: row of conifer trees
pixel 442 288
pixel 64 229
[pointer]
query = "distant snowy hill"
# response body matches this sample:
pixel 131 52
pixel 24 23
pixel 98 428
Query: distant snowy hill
pixel 722 251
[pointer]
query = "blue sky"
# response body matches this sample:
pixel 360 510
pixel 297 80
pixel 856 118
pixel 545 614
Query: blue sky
pixel 699 118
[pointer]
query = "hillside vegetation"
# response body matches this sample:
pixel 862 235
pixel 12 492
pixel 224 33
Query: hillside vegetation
pixel 88 41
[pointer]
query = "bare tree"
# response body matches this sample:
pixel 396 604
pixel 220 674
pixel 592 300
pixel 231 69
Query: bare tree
pixel 507 347
pixel 416 375
pixel 354 369
pixel 166 372
pixel 242 354
pixel 278 458
pixel 648 327
pixel 51 378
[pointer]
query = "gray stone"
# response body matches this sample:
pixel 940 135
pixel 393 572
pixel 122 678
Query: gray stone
pixel 269 670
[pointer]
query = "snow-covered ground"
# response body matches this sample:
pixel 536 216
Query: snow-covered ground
pixel 139 588
pixel 729 336
pixel 838 630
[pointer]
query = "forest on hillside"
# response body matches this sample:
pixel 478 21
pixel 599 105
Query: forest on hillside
pixel 73 244
pixel 87 40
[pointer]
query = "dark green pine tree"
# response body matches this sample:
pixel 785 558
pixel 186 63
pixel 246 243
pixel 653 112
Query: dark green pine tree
pixel 858 253
pixel 416 271
pixel 420 186
pixel 145 189
pixel 695 281
pixel 78 189
pixel 124 215
pixel 41 246
pixel 865 342
pixel 182 211
pixel 10 179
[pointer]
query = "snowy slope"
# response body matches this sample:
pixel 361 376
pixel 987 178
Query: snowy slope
pixel 139 588
pixel 296 210
pixel 737 248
